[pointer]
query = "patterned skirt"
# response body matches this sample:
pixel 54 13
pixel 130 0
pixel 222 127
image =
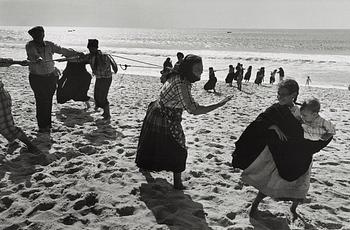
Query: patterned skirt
pixel 263 175
pixel 7 125
pixel 162 141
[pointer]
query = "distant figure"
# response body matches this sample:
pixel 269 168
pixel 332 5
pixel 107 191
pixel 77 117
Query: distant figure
pixel 74 83
pixel 235 76
pixel 167 65
pixel 308 81
pixel 210 85
pixel 239 74
pixel 260 76
pixel 43 74
pixel 180 56
pixel 272 77
pixel 8 129
pixel 101 64
pixel 230 75
pixel 248 74
pixel 349 87
pixel 315 127
pixel 162 144
pixel 281 73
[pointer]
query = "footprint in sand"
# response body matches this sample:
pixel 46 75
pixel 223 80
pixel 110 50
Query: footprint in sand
pixel 320 206
pixel 126 211
pixel 27 193
pixel 88 150
pixel 72 195
pixel 44 206
pixel 196 174
pixel 5 203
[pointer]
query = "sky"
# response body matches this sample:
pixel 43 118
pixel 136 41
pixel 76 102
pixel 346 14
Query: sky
pixel 264 14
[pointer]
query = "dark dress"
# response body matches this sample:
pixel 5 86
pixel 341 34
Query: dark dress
pixel 74 83
pixel 162 140
pixel 248 74
pixel 229 77
pixel 211 82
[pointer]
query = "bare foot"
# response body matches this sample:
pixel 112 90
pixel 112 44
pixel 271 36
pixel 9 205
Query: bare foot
pixel 294 213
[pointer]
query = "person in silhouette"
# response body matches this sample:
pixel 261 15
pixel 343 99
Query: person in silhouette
pixel 211 83
pixel 230 75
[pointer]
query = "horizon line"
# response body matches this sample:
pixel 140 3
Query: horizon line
pixel 186 28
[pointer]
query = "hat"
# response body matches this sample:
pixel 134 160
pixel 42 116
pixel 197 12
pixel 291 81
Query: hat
pixel 35 31
pixel 92 43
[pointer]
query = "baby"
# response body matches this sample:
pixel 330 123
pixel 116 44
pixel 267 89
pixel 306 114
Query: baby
pixel 315 127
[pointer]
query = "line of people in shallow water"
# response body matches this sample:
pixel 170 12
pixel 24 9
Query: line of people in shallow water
pixel 286 135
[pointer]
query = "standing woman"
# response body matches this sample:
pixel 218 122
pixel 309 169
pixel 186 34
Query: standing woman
pixel 211 83
pixel 248 74
pixel 272 151
pixel 230 75
pixel 162 144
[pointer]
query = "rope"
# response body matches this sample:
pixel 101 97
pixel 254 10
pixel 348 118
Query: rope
pixel 125 66
pixel 147 63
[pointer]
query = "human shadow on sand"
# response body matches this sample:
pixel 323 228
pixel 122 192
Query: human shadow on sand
pixel 172 207
pixel 20 167
pixel 104 133
pixel 268 221
pixel 73 116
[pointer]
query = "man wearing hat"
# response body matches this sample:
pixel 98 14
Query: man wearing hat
pixel 101 64
pixel 42 74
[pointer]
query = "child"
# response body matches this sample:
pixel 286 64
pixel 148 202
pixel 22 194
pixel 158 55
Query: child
pixel 315 127
pixel 7 125
pixel 101 64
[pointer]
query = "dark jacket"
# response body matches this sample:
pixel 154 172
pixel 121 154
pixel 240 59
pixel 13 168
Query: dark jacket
pixel 292 157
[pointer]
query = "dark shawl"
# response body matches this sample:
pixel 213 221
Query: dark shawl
pixel 292 157
pixel 74 83
pixel 229 77
pixel 211 82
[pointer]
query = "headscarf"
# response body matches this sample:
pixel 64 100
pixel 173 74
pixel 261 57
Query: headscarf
pixel 186 66
pixel 35 31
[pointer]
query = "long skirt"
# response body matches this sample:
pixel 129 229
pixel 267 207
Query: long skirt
pixel 7 125
pixel 162 141
pixel 74 83
pixel 263 175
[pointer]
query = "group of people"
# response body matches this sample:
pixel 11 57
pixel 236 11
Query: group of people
pixel 285 136
pixel 234 74
pixel 44 76
pixel 238 75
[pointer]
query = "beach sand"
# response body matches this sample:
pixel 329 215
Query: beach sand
pixel 91 181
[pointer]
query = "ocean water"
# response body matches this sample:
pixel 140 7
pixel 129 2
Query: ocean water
pixel 321 54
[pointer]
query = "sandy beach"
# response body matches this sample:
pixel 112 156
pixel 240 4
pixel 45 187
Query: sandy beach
pixel 90 180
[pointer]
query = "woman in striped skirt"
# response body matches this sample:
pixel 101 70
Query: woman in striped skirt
pixel 162 144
